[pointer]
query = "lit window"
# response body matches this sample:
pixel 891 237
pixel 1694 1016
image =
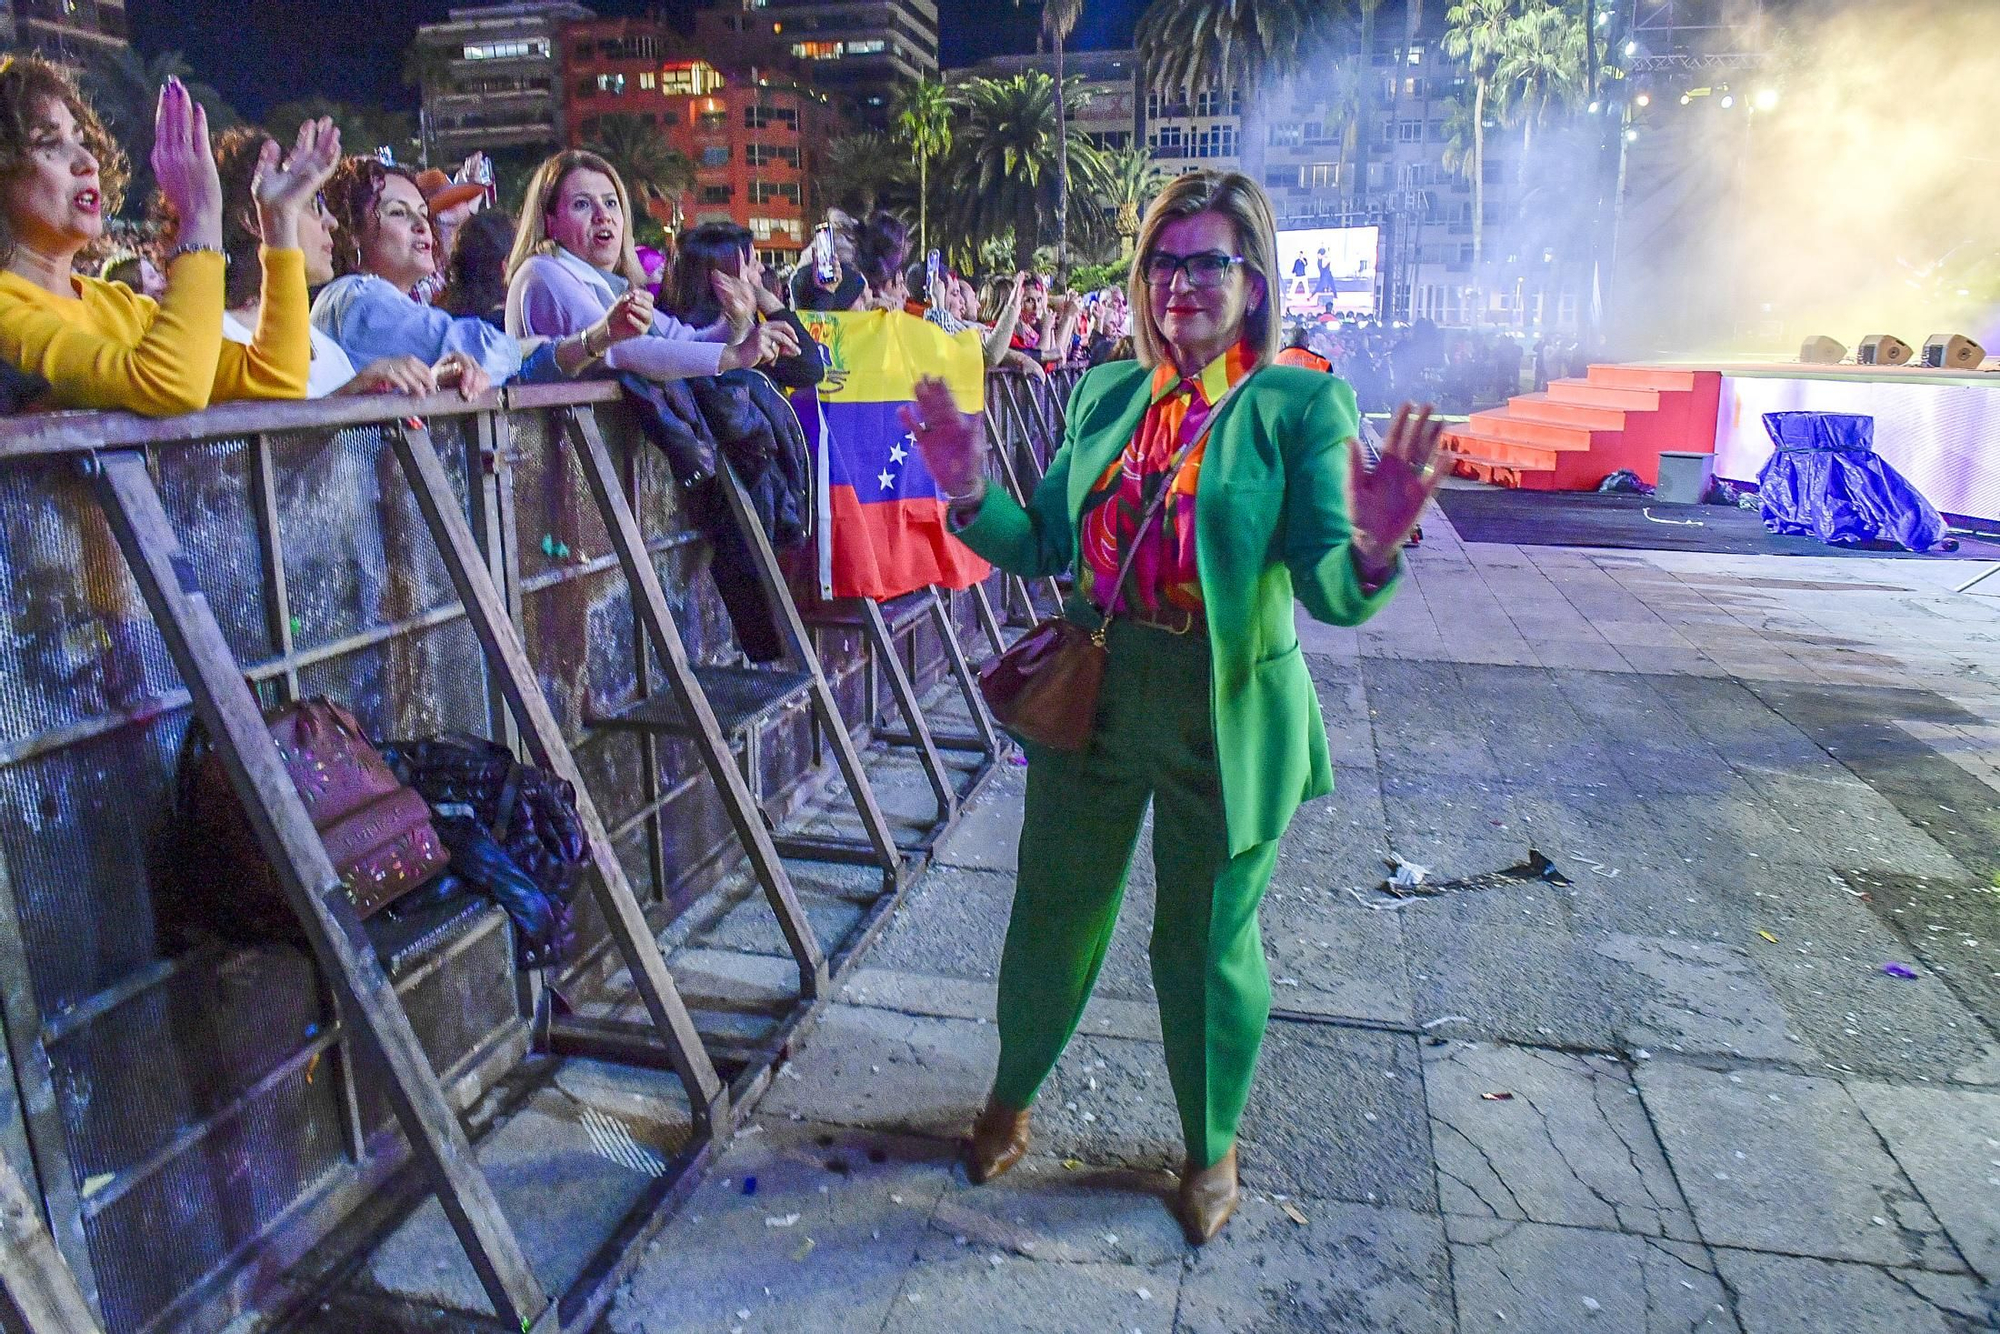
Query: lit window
pixel 817 50
pixel 649 80
pixel 715 155
pixel 533 48
pixel 611 83
pixel 869 48
pixel 696 79
pixel 765 229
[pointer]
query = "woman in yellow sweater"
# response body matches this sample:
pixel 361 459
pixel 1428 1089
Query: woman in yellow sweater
pixel 99 344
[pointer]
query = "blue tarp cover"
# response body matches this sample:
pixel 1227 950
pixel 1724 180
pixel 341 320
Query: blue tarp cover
pixel 1826 481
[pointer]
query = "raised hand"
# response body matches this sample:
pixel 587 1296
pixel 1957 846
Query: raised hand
pixel 283 191
pixel 952 443
pixel 184 165
pixel 1385 502
pixel 736 297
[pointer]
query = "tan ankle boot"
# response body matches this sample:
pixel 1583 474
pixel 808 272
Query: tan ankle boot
pixel 1207 1198
pixel 999 1138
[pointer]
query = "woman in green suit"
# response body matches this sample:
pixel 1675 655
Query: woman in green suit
pixel 1206 711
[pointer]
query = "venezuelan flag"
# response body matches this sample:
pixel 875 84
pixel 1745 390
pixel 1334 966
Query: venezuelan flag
pixel 881 518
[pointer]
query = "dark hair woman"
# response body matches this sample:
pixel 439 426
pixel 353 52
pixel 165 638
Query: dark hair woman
pixel 1206 711
pixel 712 248
pixel 476 273
pixel 97 343
pixel 881 247
pixel 384 247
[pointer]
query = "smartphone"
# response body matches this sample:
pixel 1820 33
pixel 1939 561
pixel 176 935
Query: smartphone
pixel 934 266
pixel 823 260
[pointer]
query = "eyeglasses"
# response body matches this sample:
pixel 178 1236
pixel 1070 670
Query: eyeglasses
pixel 1207 269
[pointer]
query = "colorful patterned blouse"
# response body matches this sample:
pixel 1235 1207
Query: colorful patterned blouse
pixel 1163 575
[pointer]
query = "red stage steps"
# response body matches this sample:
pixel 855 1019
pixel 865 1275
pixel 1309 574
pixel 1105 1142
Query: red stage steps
pixel 1581 431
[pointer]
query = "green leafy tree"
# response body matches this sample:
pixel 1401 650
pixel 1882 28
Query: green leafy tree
pixel 1481 34
pixel 124 87
pixel 1542 71
pixel 1059 18
pixel 1254 46
pixel 1135 178
pixel 862 172
pixel 923 124
pixel 1004 161
pixel 655 173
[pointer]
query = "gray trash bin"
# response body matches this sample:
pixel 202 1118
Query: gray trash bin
pixel 1684 476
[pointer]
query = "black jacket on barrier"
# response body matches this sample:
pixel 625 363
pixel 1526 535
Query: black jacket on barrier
pixel 739 416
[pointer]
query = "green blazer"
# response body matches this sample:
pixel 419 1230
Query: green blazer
pixel 1270 526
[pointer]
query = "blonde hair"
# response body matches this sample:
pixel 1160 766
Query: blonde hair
pixel 1242 201
pixel 531 238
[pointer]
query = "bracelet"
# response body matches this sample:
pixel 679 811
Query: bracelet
pixel 978 492
pixel 590 352
pixel 191 247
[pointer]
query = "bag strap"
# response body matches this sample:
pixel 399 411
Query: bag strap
pixel 1159 501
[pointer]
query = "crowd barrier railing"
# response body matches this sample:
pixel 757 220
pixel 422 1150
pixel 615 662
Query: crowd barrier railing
pixel 189 1119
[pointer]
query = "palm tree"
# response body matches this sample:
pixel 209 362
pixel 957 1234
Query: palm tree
pixel 654 172
pixel 1543 70
pixel 1004 162
pixel 862 172
pixel 1059 21
pixel 1247 45
pixel 1480 33
pixel 124 87
pixel 923 123
pixel 1135 179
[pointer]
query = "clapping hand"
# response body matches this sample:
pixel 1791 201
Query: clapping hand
pixel 631 314
pixel 1385 502
pixel 736 296
pixel 184 165
pixel 282 192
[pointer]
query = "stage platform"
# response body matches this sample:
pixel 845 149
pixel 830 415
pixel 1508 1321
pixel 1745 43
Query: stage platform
pixel 1940 429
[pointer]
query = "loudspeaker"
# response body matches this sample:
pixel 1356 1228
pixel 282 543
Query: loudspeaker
pixel 1882 350
pixel 1819 350
pixel 1952 352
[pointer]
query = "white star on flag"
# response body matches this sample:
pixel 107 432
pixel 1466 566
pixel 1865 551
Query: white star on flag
pixel 897 453
pixel 886 478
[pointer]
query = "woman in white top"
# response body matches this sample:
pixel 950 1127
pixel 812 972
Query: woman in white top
pixel 574 262
pixel 236 154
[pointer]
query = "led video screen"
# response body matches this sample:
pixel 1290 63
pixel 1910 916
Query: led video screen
pixel 1329 268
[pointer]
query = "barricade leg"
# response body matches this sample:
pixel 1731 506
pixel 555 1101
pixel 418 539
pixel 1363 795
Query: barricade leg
pixel 226 708
pixel 44 1292
pixel 487 613
pixel 649 601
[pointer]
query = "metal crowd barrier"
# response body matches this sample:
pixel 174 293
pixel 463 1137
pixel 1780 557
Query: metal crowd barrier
pixel 189 1122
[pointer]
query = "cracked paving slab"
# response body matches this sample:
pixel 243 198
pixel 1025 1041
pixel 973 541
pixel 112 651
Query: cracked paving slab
pixel 1514 1277
pixel 1948 1142
pixel 1788 1294
pixel 1571 1146
pixel 834 1211
pixel 1780 1162
pixel 1697 996
pixel 1350 1268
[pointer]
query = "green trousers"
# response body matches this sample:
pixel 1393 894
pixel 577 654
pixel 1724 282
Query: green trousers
pixel 1154 742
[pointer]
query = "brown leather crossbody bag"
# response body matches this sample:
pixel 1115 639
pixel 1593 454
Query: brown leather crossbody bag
pixel 1044 689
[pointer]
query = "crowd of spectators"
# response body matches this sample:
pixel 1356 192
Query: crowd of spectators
pixel 286 272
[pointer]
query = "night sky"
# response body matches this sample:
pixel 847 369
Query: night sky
pixel 269 51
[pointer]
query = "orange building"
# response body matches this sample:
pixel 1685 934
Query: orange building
pixel 753 127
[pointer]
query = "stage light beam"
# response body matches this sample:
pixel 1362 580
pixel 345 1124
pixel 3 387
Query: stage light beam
pixel 1644 99
pixel 1767 98
pixel 1631 48
pixel 1728 102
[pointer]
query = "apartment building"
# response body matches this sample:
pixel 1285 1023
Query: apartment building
pixel 491 78
pixel 738 107
pixel 861 51
pixel 69 28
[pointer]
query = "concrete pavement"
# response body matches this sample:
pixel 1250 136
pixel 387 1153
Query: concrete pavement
pixel 1765 778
